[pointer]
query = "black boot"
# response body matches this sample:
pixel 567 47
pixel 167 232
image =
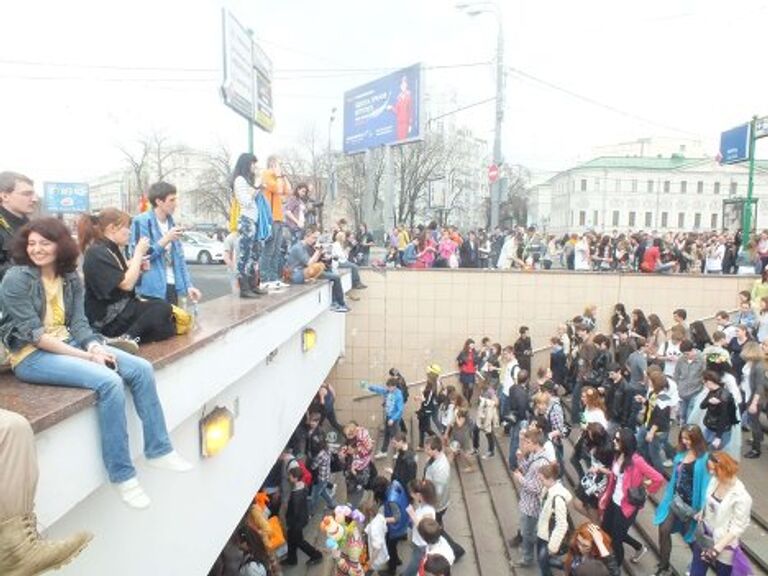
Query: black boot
pixel 245 289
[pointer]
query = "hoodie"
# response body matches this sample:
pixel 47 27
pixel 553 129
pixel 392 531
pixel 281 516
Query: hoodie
pixel 393 401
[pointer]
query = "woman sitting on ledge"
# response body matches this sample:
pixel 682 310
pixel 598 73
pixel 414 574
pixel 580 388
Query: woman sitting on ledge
pixel 111 304
pixel 50 342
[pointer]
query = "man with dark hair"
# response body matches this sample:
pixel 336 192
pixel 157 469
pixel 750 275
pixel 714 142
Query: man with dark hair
pixel 531 458
pixel 296 518
pixel 405 467
pixel 436 565
pixel 438 471
pixel 168 277
pixel 19 201
pixel 690 366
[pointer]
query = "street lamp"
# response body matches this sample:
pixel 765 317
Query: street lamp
pixel 476 9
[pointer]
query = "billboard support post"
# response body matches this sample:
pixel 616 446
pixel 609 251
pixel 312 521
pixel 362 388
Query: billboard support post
pixel 747 224
pixel 388 216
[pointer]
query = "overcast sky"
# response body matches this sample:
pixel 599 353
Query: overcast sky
pixel 80 78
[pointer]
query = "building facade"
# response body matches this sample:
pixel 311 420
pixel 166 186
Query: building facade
pixel 635 193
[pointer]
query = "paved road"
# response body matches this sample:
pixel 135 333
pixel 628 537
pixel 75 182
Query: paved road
pixel 211 279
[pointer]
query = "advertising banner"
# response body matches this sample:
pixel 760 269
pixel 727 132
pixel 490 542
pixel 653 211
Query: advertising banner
pixel 386 111
pixel 66 197
pixel 734 145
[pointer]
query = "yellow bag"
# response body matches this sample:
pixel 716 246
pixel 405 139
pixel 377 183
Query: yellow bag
pixel 234 215
pixel 182 319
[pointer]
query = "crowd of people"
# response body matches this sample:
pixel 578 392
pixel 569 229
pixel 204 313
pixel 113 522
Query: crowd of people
pixel 653 410
pixel 432 246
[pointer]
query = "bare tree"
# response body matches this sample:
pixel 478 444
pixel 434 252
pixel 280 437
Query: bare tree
pixel 213 193
pixel 139 181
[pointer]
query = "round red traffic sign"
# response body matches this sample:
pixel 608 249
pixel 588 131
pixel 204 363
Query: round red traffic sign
pixel 493 173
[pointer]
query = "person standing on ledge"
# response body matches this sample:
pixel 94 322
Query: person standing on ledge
pixel 168 277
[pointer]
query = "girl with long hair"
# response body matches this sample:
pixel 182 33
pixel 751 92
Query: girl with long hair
pixel 640 326
pixel 591 543
pixel 50 342
pixel 469 362
pixel 246 188
pixel 685 494
pixel 629 476
pixel 111 305
pixel 423 500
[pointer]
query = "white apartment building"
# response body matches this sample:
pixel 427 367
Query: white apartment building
pixel 633 193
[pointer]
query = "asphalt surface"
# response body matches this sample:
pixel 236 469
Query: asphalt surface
pixel 210 279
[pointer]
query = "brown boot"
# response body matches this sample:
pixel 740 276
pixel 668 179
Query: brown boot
pixel 24 553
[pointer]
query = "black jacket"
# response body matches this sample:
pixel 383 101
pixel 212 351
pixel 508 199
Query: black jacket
pixel 9 225
pixel 518 403
pixel 719 417
pixel 469 254
pixel 404 469
pixel 297 515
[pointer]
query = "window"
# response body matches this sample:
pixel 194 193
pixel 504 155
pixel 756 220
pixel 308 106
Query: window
pixel 594 218
pixel 615 218
pixel 634 185
pixel 696 221
pixel 664 217
pixel 713 223
pixel 650 186
pixel 716 188
pixel 582 217
pixel 734 187
pixel 583 184
pixel 667 186
pixel 648 219
pixel 631 221
pixel 681 220
pixel 683 186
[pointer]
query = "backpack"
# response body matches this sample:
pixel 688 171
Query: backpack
pixel 566 541
pixel 306 475
pixel 403 388
pixel 397 497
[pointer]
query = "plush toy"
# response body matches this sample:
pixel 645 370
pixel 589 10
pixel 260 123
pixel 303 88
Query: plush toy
pixel 334 532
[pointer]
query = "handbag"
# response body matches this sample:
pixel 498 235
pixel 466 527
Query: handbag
pixel 182 319
pixel 681 509
pixel 637 496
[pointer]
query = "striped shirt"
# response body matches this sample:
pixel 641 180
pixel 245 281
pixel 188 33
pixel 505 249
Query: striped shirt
pixel 531 487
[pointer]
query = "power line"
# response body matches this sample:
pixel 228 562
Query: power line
pixel 461 109
pixel 592 101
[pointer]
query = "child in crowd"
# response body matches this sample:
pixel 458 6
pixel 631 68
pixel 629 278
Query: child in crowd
pixel 321 472
pixel 487 420
pixel 296 518
pixel 376 532
pixel 458 436
pixel 430 530
pixel 423 498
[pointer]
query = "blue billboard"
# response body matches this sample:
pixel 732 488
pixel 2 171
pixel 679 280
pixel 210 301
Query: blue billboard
pixel 734 145
pixel 385 111
pixel 66 197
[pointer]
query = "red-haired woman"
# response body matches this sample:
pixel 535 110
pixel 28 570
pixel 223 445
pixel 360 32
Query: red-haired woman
pixel 588 544
pixel 724 518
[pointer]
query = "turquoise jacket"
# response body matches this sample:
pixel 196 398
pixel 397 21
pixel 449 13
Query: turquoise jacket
pixel 700 482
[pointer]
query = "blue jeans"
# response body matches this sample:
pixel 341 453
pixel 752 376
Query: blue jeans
pixel 272 254
pixel 412 568
pixel 701 568
pixel 355 271
pixel 651 451
pixel 514 442
pixel 320 490
pixel 545 560
pixel 528 532
pixel 337 291
pixel 42 367
pixel 709 436
pixel 248 247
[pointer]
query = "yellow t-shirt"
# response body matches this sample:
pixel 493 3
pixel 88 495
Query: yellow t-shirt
pixel 54 318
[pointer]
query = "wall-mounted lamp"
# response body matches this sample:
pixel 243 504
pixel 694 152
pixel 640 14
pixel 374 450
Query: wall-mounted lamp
pixel 308 339
pixel 216 430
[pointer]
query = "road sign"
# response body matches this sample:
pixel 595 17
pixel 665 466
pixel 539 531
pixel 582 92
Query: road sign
pixel 237 87
pixel 761 127
pixel 66 197
pixel 493 173
pixel 734 145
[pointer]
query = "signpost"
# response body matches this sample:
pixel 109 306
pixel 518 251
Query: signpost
pixel 247 83
pixel 66 197
pixel 738 145
pixel 493 173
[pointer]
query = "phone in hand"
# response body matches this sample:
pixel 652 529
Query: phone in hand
pixel 111 364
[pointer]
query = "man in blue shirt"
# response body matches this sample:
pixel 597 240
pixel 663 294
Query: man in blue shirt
pixel 393 408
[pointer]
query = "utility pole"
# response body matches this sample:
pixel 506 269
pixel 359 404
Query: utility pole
pixel 746 226
pixel 497 158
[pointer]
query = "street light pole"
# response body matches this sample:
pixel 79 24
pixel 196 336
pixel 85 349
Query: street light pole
pixel 475 9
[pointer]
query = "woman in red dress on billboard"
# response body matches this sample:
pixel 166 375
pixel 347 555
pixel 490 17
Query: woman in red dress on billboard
pixel 403 110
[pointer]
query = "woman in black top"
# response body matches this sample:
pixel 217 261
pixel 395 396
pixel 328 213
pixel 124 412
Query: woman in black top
pixel 111 305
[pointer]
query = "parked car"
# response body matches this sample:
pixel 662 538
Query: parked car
pixel 201 249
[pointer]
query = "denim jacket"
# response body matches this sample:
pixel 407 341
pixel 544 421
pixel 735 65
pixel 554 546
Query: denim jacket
pixel 152 283
pixel 22 301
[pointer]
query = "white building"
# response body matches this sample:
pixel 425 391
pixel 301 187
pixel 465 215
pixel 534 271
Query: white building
pixel 631 193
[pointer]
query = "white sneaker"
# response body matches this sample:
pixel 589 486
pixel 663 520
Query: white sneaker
pixel 171 461
pixel 133 494
pixel 668 463
pixel 380 455
pixel 281 284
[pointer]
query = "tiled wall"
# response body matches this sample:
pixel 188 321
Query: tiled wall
pixel 412 318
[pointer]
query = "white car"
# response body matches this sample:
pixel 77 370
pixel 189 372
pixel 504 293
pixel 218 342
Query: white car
pixel 201 249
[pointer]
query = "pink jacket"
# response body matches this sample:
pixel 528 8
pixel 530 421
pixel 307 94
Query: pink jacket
pixel 635 474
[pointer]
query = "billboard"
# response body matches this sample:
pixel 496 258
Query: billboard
pixel 237 86
pixel 262 67
pixel 734 145
pixel 66 197
pixel 385 111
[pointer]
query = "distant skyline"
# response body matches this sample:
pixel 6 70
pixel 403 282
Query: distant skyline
pixel 82 77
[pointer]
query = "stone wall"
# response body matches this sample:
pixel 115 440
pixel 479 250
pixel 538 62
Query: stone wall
pixel 411 318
